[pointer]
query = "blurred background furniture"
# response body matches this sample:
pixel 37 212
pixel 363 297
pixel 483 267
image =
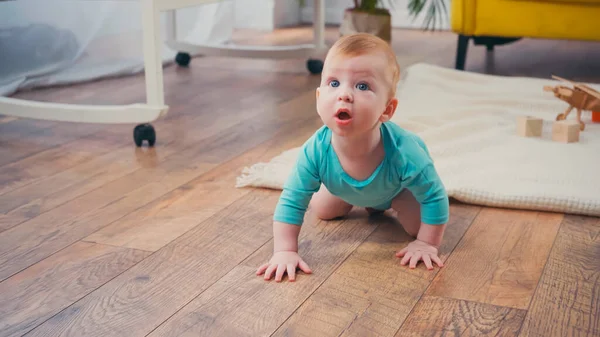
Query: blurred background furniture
pixel 496 22
pixel 155 107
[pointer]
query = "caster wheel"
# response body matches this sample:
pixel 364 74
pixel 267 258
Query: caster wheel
pixel 314 66
pixel 144 132
pixel 183 59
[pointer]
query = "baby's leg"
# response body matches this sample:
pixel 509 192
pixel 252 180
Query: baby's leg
pixel 408 212
pixel 327 206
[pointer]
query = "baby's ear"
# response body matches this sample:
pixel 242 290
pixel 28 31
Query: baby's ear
pixel 390 109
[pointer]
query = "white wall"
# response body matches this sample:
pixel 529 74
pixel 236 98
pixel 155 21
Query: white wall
pixel 286 13
pixel 266 14
pixel 334 11
pixel 254 14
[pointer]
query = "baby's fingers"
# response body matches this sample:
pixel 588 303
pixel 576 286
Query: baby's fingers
pixel 270 271
pixel 427 261
pixel 414 260
pixel 279 274
pixel 437 260
pixel 291 271
pixel 304 267
pixel 406 258
pixel 262 268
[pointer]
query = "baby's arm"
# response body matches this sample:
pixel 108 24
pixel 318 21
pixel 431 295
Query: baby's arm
pixel 431 234
pixel 430 193
pixel 302 183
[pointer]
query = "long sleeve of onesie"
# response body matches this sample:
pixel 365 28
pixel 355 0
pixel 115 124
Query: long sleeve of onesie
pixel 429 191
pixel 299 187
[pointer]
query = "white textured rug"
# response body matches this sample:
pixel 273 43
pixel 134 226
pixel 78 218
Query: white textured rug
pixel 468 121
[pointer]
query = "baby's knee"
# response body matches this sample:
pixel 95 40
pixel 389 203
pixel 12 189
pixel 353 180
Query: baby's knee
pixel 326 212
pixel 412 230
pixel 409 218
pixel 326 206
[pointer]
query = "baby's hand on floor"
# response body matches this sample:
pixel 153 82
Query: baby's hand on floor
pixel 282 262
pixel 419 250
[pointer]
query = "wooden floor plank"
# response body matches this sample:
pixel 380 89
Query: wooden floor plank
pixel 264 152
pixel 158 223
pixel 59 133
pixel 51 162
pixel 203 114
pixel 287 138
pixel 65 156
pixel 35 199
pixel 371 293
pixel 43 139
pixel 41 236
pixel 137 301
pixel 500 259
pixel 45 194
pixel 30 297
pixel 567 300
pixel 437 316
pixel 244 304
pixel 15 128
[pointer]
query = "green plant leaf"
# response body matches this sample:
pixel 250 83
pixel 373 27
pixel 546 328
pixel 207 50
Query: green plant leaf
pixel 436 10
pixel 368 5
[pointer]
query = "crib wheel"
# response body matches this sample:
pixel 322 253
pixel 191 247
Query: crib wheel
pixel 183 59
pixel 144 132
pixel 314 66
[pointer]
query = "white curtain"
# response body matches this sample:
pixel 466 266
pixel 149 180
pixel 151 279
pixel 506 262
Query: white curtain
pixel 49 42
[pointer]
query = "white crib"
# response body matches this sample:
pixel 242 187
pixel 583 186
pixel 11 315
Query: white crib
pixel 155 107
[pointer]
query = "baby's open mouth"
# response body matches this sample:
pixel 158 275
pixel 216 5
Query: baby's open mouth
pixel 343 114
pixel 343 117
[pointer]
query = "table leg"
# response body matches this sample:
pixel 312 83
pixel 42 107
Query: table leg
pixel 319 24
pixel 152 53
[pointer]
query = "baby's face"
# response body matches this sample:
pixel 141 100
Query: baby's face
pixel 354 92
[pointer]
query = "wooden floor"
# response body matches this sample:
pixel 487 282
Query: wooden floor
pixel 98 238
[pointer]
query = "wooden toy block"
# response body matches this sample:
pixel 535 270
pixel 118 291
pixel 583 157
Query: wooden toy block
pixel 528 126
pixel 566 131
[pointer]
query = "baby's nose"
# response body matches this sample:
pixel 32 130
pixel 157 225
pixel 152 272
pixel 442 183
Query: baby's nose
pixel 345 96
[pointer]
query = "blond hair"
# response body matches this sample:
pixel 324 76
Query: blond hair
pixel 364 43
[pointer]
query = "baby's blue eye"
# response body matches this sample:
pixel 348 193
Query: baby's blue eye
pixel 334 83
pixel 362 86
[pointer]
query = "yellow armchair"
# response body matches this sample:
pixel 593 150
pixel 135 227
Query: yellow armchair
pixel 495 22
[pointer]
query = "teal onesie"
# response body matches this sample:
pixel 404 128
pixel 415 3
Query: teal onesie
pixel 407 165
